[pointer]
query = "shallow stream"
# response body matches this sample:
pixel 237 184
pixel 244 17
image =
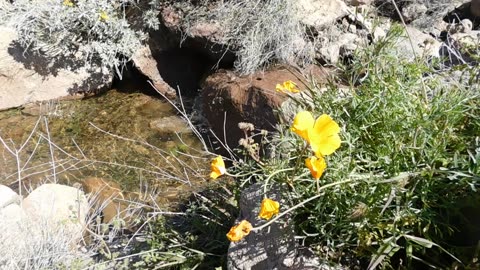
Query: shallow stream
pixel 134 139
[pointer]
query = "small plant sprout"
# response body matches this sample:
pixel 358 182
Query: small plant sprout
pixel 269 208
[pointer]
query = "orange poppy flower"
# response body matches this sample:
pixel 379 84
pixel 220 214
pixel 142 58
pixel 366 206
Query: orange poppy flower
pixel 238 232
pixel 268 208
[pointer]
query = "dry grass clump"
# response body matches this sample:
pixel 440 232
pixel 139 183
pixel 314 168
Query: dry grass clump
pixel 38 244
pixel 261 32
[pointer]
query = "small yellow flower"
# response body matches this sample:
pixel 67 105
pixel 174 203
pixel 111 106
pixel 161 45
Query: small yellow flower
pixel 287 86
pixel 321 134
pixel 104 16
pixel 239 231
pixel 218 167
pixel 324 137
pixel 268 209
pixel 68 3
pixel 317 166
pixel 302 123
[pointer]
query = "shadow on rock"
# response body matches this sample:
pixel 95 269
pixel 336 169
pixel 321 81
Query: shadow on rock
pixel 40 63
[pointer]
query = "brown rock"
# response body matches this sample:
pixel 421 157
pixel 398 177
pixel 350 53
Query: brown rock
pixel 475 8
pixel 107 198
pixel 230 99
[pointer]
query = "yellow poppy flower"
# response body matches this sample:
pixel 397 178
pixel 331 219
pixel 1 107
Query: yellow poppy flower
pixel 302 123
pixel 268 209
pixel 68 3
pixel 104 16
pixel 287 86
pixel 324 137
pixel 317 166
pixel 218 167
pixel 291 86
pixel 239 231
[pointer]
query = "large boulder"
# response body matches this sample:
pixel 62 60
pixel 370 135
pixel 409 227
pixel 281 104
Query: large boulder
pixel 44 230
pixel 59 206
pixel 28 77
pixel 229 99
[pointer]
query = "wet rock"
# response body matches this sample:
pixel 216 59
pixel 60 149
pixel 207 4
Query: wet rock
pixel 59 206
pixel 170 124
pixel 8 196
pixel 107 198
pixel 27 77
pixel 230 99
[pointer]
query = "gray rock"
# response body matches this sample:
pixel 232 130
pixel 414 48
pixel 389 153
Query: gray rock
pixel 44 233
pixel 274 247
pixel 27 77
pixel 318 13
pixel 413 11
pixel 10 215
pixel 271 248
pixel 331 52
pixel 60 206
pixel 417 44
pixel 8 197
